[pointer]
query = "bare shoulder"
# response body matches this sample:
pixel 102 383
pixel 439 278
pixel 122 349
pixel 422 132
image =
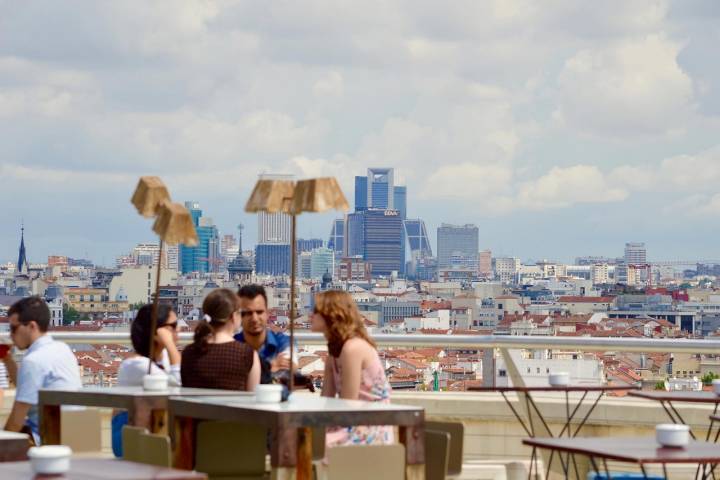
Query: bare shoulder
pixel 354 347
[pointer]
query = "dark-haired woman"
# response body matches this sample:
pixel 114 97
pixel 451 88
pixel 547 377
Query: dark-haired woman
pixel 215 359
pixel 132 369
pixel 353 369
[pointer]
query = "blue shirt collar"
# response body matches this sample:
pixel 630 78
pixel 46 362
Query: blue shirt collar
pixel 274 343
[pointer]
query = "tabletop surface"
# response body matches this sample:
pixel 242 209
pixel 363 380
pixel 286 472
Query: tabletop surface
pixel 548 388
pixel 101 469
pixel 13 436
pixel 678 396
pixel 302 403
pixel 630 449
pixel 140 392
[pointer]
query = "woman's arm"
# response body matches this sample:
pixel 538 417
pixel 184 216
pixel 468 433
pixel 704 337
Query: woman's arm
pixel 351 360
pixel 328 388
pixel 254 375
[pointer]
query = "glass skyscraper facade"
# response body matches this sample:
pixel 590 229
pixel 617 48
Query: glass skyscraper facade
pixel 376 235
pixel 204 257
pixel 361 193
pixel 272 259
pixel 381 185
pixel 336 242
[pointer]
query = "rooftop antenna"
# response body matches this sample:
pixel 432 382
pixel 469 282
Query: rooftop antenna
pixel 240 228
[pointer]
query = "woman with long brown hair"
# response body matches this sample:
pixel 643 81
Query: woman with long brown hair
pixel 353 369
pixel 215 359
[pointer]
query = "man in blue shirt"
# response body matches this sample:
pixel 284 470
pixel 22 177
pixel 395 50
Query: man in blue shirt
pixel 46 364
pixel 273 348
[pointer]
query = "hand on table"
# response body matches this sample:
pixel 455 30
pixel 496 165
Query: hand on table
pixel 281 362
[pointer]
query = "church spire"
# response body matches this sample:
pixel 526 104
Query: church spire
pixel 22 259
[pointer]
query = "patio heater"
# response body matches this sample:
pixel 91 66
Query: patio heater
pixel 173 224
pixel 294 198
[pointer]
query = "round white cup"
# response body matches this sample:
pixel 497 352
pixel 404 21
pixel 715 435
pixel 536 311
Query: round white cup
pixel 672 435
pixel 268 393
pixel 559 379
pixel 50 459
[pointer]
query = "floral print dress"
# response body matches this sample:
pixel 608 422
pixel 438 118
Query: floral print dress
pixel 374 387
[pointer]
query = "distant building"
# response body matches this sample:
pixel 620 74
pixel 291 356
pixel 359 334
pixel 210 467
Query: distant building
pixel 322 261
pixel 381 188
pixel 400 200
pixel 22 263
pixel 485 269
pixel 272 259
pixel 336 242
pixel 361 193
pixel 205 257
pixel 417 238
pixel 309 244
pixel 376 236
pixel 459 242
pixel 354 269
pixel 506 269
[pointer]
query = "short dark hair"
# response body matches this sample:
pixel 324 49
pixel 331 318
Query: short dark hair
pixel 32 309
pixel 140 328
pixel 251 291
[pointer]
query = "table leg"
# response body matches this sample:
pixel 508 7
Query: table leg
pixel 158 421
pixel 587 415
pixel 50 424
pixel 413 439
pixel 141 415
pixel 283 451
pixel 644 472
pixel 517 415
pixel 304 454
pixel 184 431
pixel 682 420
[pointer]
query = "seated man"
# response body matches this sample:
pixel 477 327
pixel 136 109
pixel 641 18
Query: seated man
pixel 46 364
pixel 273 348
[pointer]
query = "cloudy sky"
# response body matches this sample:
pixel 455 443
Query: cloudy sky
pixel 561 127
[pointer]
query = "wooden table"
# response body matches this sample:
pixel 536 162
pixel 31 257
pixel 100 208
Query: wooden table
pixel 101 469
pixel 667 399
pixel 570 413
pixel 290 427
pixel 13 446
pixel 145 408
pixel 640 451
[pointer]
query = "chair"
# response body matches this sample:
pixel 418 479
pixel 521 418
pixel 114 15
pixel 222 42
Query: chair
pixel 155 450
pixel 81 429
pixel 360 462
pixel 622 476
pixel 437 454
pixel 231 450
pixel 131 442
pixel 457 438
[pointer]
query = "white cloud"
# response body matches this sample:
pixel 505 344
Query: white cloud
pixel 627 88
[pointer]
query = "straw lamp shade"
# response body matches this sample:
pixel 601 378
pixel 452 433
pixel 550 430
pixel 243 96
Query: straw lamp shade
pixel 175 225
pixel 318 195
pixel 149 194
pixel 271 196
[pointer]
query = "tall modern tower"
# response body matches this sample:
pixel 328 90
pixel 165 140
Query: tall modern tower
pixel 400 200
pixel 336 242
pixel 376 236
pixel 272 252
pixel 22 264
pixel 381 188
pixel 635 253
pixel 205 256
pixel 457 244
pixel 361 193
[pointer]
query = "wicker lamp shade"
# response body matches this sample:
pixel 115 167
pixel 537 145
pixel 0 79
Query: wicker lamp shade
pixel 174 225
pixel 318 195
pixel 271 196
pixel 149 194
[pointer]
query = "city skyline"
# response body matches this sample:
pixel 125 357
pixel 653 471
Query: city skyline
pixel 559 131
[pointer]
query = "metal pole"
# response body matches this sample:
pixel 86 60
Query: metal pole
pixel 156 303
pixel 293 267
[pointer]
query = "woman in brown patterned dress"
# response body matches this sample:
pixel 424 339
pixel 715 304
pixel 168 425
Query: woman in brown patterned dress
pixel 215 359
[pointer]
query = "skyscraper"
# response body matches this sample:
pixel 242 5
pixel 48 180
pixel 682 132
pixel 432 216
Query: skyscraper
pixel 322 260
pixel 361 193
pixel 417 238
pixel 272 259
pixel 400 200
pixel 205 257
pixel 376 236
pixel 635 253
pixel 381 188
pixel 336 242
pixel 458 243
pixel 274 232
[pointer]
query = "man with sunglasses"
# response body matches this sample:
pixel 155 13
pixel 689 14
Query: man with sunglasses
pixel 46 364
pixel 272 348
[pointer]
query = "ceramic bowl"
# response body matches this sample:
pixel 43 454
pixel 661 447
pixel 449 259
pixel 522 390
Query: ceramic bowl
pixel 559 379
pixel 268 393
pixel 50 459
pixel 672 435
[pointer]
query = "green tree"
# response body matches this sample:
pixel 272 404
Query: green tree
pixel 70 315
pixel 708 378
pixel 660 385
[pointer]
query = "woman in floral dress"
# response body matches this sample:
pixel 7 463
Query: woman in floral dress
pixel 353 370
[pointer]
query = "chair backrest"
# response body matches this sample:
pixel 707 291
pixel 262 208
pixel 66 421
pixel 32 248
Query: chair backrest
pixel 155 450
pixel 81 429
pixel 360 462
pixel 437 453
pixel 457 437
pixel 131 442
pixel 230 449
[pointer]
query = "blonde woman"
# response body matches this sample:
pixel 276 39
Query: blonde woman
pixel 353 369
